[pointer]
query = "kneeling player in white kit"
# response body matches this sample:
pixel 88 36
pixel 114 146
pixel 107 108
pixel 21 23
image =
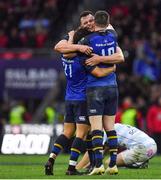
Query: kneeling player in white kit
pixel 139 147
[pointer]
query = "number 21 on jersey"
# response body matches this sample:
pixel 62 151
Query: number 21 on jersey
pixel 67 69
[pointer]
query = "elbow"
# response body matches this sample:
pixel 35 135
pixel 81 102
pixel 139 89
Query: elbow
pixel 60 48
pixel 56 48
pixel 121 59
pixel 98 74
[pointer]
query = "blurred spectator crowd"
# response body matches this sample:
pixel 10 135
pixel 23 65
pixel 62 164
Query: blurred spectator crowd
pixel 33 23
pixel 26 23
pixel 30 23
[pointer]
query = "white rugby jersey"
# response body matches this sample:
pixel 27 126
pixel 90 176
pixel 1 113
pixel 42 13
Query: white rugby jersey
pixel 129 136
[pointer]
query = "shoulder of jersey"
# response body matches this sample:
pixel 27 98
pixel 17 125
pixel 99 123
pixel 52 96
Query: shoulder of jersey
pixel 87 38
pixel 112 32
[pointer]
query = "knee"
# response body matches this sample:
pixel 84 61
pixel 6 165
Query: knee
pixel 69 133
pixel 109 127
pixel 81 134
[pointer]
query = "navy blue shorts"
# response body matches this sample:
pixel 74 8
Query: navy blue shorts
pixel 102 101
pixel 76 112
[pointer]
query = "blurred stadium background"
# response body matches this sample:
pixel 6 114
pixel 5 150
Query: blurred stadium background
pixel 32 83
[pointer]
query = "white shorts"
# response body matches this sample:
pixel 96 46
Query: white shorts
pixel 138 154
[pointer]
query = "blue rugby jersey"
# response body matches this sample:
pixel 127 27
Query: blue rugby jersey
pixel 103 43
pixel 76 76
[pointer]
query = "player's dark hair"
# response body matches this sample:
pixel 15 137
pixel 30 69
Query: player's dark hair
pixel 79 34
pixel 102 18
pixel 85 13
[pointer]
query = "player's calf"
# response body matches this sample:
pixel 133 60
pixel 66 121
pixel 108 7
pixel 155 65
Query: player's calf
pixel 76 149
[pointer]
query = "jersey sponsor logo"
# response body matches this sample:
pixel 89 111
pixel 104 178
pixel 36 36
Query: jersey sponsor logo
pixel 82 118
pixel 105 44
pixel 92 110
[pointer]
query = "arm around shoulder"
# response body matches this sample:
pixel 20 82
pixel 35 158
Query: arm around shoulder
pixel 115 58
pixel 101 72
pixel 61 46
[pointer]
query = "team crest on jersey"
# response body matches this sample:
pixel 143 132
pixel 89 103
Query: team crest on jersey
pixel 82 39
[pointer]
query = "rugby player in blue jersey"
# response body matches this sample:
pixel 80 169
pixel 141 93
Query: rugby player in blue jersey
pixel 65 47
pixel 76 87
pixel 102 94
pixel 75 111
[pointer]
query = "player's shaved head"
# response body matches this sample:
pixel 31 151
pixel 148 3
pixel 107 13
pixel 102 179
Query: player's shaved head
pixel 102 18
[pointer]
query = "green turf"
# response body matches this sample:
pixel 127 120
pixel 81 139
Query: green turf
pixel 32 167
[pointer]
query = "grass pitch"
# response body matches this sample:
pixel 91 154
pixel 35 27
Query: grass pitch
pixel 32 167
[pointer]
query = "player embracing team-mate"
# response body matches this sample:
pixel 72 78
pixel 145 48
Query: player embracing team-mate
pixel 102 94
pixel 75 98
pixel 77 75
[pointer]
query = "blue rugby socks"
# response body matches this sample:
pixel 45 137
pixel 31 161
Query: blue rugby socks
pixel 97 142
pixel 61 142
pixel 76 150
pixel 90 150
pixel 113 146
